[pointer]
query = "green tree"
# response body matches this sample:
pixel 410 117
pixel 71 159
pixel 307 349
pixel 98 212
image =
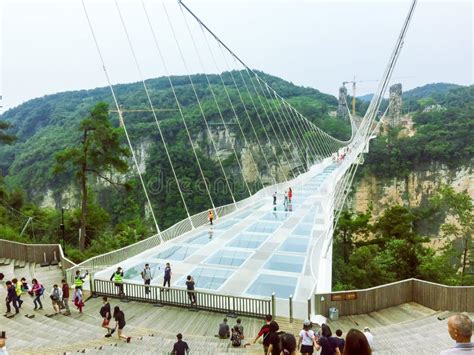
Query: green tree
pixel 458 205
pixel 100 154
pixel 349 226
pixel 4 137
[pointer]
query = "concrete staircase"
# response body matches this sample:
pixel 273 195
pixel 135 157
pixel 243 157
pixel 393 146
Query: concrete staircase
pixel 406 329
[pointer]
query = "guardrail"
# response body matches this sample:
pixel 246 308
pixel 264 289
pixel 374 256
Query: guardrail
pixel 35 253
pixel 234 305
pixel 106 260
pixel 429 294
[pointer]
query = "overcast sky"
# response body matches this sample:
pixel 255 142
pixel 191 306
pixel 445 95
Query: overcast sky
pixel 47 46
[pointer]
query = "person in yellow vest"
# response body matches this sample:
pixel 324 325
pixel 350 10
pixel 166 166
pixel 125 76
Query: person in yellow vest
pixel 210 216
pixel 117 278
pixel 79 279
pixel 18 291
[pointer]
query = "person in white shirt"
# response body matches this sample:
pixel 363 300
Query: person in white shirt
pixel 307 339
pixel 369 336
pixel 3 347
pixel 460 330
pixel 56 296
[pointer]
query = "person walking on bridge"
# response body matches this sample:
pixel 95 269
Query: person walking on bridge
pixel 146 276
pixel 117 278
pixel 290 195
pixel 167 276
pixel 79 279
pixel 210 216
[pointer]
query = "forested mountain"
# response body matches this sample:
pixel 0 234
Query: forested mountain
pixel 46 126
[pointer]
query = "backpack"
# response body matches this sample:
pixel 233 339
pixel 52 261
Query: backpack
pixel 41 291
pixel 55 295
pixel 236 339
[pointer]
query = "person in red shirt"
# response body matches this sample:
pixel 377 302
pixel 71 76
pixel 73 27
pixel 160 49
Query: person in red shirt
pixel 65 289
pixel 265 332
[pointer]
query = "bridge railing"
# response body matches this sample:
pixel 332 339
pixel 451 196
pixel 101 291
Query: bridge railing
pixel 428 294
pixel 234 305
pixel 103 261
pixel 35 253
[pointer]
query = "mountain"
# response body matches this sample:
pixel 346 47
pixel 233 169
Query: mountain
pixel 420 92
pixel 47 125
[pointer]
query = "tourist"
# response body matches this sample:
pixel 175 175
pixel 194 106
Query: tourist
pixel 264 332
pixel 190 287
pixel 274 198
pixel 356 343
pixel 460 330
pixel 65 289
pixel 18 291
pixel 106 314
pixel 340 340
pixel 146 276
pixel 167 276
pixel 273 339
pixel 290 194
pixel 285 200
pixel 24 285
pixel 117 277
pixel 56 296
pixel 370 337
pixel 224 331
pixel 307 339
pixel 120 324
pixel 326 342
pixel 11 299
pixel 240 327
pixel 180 347
pixel 77 298
pixel 79 279
pixel 288 344
pixel 37 291
pixel 3 344
pixel 210 216
pixel 236 337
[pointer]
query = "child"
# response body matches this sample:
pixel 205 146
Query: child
pixel 78 302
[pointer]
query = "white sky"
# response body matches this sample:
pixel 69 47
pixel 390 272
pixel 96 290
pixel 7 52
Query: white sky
pixel 47 46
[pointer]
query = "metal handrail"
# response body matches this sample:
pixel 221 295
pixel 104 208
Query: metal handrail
pixel 158 295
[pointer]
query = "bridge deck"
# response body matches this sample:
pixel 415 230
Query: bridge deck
pixel 253 252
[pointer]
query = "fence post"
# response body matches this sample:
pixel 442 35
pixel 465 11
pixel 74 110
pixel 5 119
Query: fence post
pixel 273 305
pixel 309 308
pixel 290 299
pixel 92 285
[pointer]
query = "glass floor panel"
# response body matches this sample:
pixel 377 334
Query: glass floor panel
pixel 281 262
pixel 295 245
pixel 263 227
pixel 207 278
pixel 134 273
pixel 178 252
pixel 202 238
pixel 265 285
pixel 303 230
pixel 247 241
pixel 275 216
pixel 225 225
pixel 228 257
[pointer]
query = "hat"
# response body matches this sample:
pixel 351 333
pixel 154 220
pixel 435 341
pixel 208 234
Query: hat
pixel 306 322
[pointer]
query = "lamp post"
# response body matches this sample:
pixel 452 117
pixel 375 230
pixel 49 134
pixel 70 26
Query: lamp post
pixel 62 229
